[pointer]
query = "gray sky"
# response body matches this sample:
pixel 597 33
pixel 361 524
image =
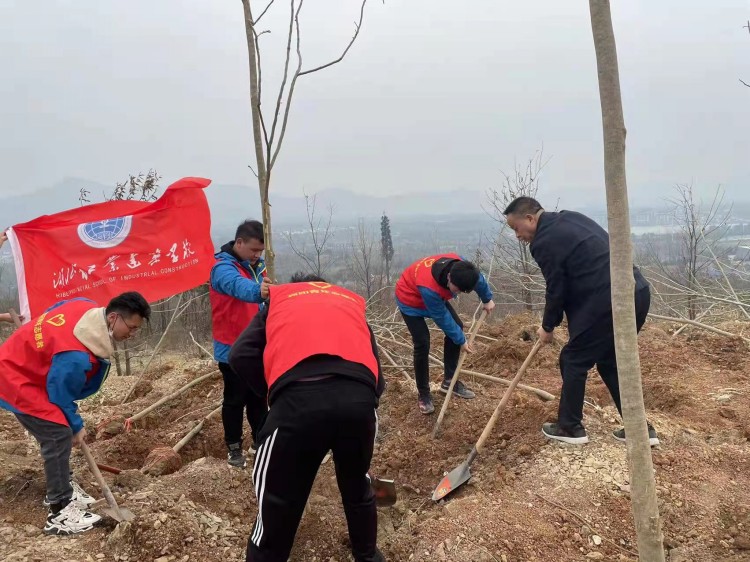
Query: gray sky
pixel 435 95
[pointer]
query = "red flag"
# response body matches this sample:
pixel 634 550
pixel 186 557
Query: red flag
pixel 99 251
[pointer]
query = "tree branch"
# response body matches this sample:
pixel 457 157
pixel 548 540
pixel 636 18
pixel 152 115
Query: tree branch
pixel 279 99
pixel 357 27
pixel 263 12
pixel 285 120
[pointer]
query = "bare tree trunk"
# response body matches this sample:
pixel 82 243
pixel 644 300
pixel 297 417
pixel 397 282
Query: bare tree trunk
pixel 116 355
pixel 262 170
pixel 645 507
pixel 127 357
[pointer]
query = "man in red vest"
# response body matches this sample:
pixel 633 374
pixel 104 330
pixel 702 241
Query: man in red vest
pixel 424 291
pixel 238 286
pixel 312 352
pixel 45 366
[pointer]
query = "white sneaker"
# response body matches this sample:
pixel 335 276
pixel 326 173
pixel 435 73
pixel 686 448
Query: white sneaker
pixel 70 520
pixel 79 496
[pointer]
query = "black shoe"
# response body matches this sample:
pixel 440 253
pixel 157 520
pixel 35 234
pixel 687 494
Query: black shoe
pixel 459 389
pixel 236 457
pixel 575 437
pixel 653 439
pixel 425 404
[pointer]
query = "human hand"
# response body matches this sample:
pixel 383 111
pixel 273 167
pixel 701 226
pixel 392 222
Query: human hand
pixel 79 437
pixel 488 306
pixel 3 238
pixel 466 347
pixel 264 291
pixel 544 336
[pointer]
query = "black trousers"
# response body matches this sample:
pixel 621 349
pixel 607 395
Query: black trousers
pixel 420 335
pixel 306 421
pixel 239 401
pixel 595 346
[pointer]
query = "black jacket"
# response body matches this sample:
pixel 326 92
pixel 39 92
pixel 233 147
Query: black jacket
pixel 573 253
pixel 246 359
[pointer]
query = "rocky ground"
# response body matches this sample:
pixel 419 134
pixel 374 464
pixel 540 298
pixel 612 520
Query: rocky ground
pixel 528 499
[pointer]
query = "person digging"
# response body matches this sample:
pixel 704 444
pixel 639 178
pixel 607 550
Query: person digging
pixel 424 291
pixel 572 252
pixel 312 352
pixel 45 366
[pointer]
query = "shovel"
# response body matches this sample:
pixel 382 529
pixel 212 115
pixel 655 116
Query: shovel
pixel 461 474
pixel 116 512
pixel 461 358
pixel 385 491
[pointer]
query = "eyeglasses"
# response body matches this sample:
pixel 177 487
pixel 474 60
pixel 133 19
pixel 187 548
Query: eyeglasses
pixel 132 329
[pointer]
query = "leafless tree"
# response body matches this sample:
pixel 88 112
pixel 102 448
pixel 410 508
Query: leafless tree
pixel 320 232
pixel 269 129
pixel 363 259
pixel 514 262
pixel 699 229
pixel 644 501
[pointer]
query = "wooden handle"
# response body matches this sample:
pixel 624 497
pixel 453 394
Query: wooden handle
pixel 99 478
pixel 14 317
pixel 506 397
pixel 110 469
pixel 462 356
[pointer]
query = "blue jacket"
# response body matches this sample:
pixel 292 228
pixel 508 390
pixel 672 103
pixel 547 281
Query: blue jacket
pixel 227 280
pixel 435 308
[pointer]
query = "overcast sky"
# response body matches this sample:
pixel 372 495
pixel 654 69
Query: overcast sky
pixel 435 95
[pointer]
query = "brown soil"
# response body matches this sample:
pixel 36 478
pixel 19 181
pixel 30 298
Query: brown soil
pixel 528 499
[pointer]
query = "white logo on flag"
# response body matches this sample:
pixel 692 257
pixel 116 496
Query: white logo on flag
pixel 106 233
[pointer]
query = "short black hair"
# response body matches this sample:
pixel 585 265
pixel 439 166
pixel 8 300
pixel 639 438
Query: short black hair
pixel 302 277
pixel 523 206
pixel 250 230
pixel 464 275
pixel 128 304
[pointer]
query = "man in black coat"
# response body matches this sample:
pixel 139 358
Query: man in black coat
pixel 573 253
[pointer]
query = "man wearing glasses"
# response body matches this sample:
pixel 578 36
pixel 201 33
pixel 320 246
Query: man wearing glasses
pixel 422 292
pixel 45 366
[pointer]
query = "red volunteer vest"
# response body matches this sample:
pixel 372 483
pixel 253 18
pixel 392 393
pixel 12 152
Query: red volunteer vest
pixel 306 319
pixel 230 316
pixel 419 274
pixel 26 357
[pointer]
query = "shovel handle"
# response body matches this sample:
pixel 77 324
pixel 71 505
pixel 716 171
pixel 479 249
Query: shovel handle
pixel 99 478
pixel 506 397
pixel 461 358
pixel 14 317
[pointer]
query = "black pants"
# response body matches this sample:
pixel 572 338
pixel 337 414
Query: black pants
pixel 420 335
pixel 238 400
pixel 595 346
pixel 306 421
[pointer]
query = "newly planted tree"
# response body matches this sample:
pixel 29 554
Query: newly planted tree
pixel 269 128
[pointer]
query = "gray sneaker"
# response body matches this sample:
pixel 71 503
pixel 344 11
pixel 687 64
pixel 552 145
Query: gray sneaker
pixel 653 438
pixel 236 457
pixel 459 389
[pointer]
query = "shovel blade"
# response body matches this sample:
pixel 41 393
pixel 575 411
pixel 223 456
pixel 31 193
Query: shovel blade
pixel 121 514
pixel 455 478
pixel 385 492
